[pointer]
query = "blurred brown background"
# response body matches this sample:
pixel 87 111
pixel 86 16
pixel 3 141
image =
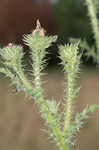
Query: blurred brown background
pixel 18 17
pixel 20 122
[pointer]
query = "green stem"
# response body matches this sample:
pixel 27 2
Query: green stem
pixel 24 80
pixel 69 100
pixel 26 83
pixel 56 131
pixel 37 74
pixel 94 21
pixel 43 106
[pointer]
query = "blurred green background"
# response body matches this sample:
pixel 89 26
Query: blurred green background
pixel 20 122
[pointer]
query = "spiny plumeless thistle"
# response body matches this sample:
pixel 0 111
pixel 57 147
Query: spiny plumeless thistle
pixel 12 67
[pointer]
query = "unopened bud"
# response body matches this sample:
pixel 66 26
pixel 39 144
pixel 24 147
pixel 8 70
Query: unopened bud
pixel 10 44
pixel 39 28
pixel 38 25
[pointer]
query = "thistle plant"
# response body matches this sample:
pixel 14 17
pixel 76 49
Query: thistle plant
pixel 62 132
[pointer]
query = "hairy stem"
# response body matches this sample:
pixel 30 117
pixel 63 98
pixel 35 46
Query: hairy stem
pixel 26 83
pixel 69 100
pixel 94 21
pixel 43 106
pixel 37 74
pixel 55 130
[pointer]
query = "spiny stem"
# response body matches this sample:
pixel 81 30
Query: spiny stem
pixel 21 75
pixel 94 21
pixel 69 99
pixel 55 130
pixel 44 108
pixel 37 74
pixel 70 60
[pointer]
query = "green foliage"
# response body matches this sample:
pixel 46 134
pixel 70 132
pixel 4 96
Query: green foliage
pixel 38 48
pixel 89 51
pixel 79 118
pixel 71 59
pixel 44 41
pixel 12 67
pixel 12 54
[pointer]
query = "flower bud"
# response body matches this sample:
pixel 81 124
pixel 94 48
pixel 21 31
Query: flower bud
pixel 39 28
pixel 10 44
